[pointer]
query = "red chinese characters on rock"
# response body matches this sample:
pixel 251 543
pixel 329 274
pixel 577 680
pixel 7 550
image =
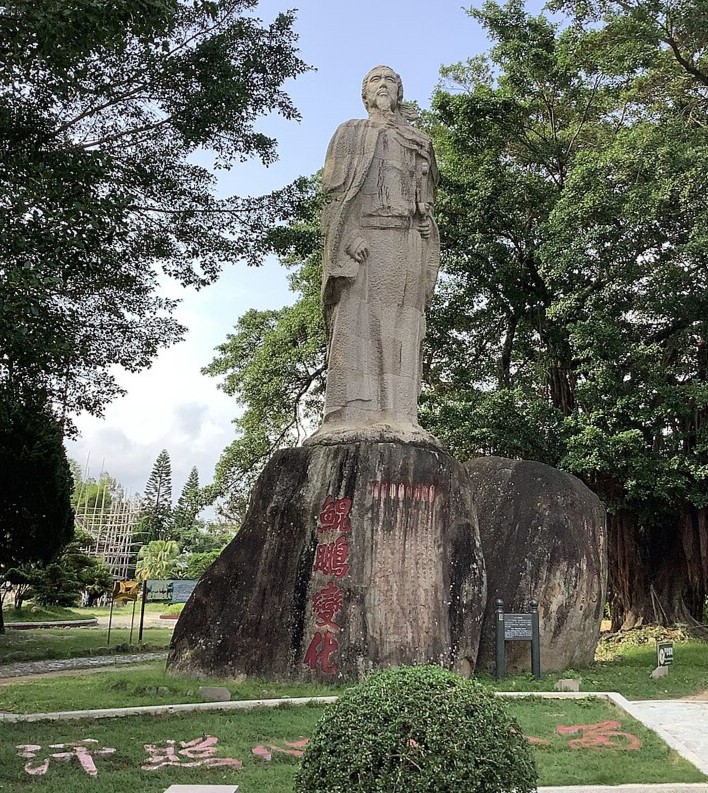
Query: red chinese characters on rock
pixel 319 653
pixel 335 515
pixel 326 603
pixel 331 559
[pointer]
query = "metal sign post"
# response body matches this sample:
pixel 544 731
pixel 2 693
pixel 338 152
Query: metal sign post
pixel 142 611
pixel 517 628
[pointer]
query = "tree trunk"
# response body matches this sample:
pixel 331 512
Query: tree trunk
pixel 658 573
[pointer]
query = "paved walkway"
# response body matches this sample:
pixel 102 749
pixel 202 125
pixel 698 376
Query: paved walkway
pixel 684 722
pixel 43 667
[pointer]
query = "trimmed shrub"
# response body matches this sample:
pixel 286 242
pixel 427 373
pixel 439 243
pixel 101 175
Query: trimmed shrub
pixel 417 730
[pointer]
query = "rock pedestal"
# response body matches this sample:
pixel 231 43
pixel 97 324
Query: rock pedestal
pixel 351 557
pixel 543 537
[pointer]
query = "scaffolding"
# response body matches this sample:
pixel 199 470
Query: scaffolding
pixel 110 521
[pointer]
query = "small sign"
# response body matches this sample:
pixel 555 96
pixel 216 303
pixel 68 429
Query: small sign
pixel 158 589
pixel 181 590
pixel 664 653
pixel 518 628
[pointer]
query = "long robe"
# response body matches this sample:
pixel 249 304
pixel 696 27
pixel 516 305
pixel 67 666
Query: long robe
pixel 379 183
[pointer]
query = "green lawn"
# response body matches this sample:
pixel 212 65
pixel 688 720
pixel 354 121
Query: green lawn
pixel 32 613
pixel 52 643
pixel 629 673
pixel 239 732
pixel 133 687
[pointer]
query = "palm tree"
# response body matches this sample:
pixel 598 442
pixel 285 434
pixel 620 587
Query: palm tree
pixel 157 559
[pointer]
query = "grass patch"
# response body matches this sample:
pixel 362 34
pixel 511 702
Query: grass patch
pixel 54 643
pixel 560 763
pixel 134 687
pixel 239 732
pixel 33 613
pixel 627 674
pixel 626 670
pixel 125 609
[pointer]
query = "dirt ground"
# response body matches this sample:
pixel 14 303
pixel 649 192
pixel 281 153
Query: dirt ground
pixel 702 696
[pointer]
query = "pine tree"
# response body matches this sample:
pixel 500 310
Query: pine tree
pixel 156 521
pixel 188 507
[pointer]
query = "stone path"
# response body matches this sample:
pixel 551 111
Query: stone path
pixel 686 722
pixel 43 667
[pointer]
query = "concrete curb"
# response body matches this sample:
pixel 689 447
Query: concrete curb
pixel 26 626
pixel 157 710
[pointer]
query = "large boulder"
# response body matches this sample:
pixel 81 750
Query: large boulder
pixel 351 557
pixel 544 538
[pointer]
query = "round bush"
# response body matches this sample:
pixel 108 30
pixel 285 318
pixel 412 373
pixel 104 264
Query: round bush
pixel 417 730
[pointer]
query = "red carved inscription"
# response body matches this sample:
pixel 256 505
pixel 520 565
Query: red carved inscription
pixel 331 557
pixel 335 515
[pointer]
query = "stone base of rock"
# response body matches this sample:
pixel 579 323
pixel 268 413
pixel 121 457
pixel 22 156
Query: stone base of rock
pixel 543 537
pixel 352 557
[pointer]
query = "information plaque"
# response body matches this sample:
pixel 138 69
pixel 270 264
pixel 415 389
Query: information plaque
pixel 522 627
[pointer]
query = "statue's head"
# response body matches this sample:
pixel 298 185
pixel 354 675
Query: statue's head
pixel 382 88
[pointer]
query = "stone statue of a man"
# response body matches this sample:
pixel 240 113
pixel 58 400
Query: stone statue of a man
pixel 380 264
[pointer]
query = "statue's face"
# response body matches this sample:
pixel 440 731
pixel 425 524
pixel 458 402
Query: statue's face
pixel 381 89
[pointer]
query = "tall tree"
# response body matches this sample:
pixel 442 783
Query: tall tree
pixel 36 518
pixel 273 364
pixel 156 516
pixel 574 228
pixel 102 107
pixel 189 505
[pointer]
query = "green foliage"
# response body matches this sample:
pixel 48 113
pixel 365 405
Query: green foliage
pixel 36 518
pixel 273 365
pixel 62 581
pixel 188 506
pixel 102 107
pixel 198 563
pixel 155 521
pixel 157 559
pixel 419 728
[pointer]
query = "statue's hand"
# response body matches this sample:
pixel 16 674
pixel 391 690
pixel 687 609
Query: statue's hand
pixel 425 227
pixel 359 250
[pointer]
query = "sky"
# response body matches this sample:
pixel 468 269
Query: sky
pixel 172 405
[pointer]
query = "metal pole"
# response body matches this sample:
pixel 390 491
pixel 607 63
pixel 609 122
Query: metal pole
pixel 110 620
pixel 535 641
pixel 499 630
pixel 142 611
pixel 132 620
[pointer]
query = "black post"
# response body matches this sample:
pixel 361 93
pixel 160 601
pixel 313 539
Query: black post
pixel 110 620
pixel 535 641
pixel 132 621
pixel 499 623
pixel 142 611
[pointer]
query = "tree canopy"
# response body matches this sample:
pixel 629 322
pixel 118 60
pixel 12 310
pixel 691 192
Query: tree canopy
pixel 103 107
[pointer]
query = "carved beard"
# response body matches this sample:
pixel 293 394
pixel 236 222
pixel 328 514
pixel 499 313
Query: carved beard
pixel 384 102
